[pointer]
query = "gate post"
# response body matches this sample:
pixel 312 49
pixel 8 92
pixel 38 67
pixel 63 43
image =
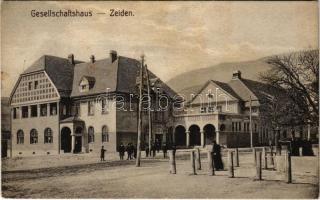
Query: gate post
pixel 210 164
pixel 230 163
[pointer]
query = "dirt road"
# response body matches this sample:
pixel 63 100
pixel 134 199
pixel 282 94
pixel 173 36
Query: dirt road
pixel 121 179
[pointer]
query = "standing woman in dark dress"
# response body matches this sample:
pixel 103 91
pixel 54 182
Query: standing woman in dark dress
pixel 216 154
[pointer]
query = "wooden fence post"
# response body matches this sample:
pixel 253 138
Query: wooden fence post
pixel 265 158
pixel 230 163
pixel 254 152
pixel 289 170
pixel 193 164
pixel 237 157
pixel 271 156
pixel 198 159
pixel 210 164
pixel 172 161
pixel 258 166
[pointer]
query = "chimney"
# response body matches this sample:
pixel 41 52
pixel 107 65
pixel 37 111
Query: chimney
pixel 113 55
pixel 71 59
pixel 92 59
pixel 236 74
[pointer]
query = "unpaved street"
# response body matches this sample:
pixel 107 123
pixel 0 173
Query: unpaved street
pixel 121 179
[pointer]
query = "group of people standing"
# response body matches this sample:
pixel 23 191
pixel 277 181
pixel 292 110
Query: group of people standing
pixel 130 149
pixel 155 147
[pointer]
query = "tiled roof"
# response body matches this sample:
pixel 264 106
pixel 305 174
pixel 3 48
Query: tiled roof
pixel 240 88
pixel 119 76
pixel 260 89
pixel 227 88
pixel 190 92
pixel 58 69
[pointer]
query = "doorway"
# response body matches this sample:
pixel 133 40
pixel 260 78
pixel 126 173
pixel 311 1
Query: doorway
pixel 78 144
pixel 66 140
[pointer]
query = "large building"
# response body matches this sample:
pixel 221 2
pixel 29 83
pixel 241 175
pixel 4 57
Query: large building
pixel 61 105
pixel 221 111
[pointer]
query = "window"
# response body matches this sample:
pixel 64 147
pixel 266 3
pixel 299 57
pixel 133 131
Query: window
pixel 20 137
pixel 30 85
pixel 16 113
pixel 43 110
pixel 219 108
pixel 203 109
pixel 90 108
pixel 86 83
pixel 232 126
pixel 36 84
pixel 210 109
pixel 239 126
pixel 25 112
pixel 105 135
pixel 34 111
pixel 90 134
pixel 222 127
pixel 33 136
pixel 53 108
pixel 48 135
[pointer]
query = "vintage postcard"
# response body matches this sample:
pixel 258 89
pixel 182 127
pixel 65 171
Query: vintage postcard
pixel 160 99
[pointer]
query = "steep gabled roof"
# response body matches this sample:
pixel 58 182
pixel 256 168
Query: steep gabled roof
pixel 186 93
pixel 119 76
pixel 260 89
pixel 60 71
pixel 196 90
pixel 227 88
pixel 104 72
pixel 240 88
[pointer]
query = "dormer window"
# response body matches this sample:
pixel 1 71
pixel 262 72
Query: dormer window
pixel 86 83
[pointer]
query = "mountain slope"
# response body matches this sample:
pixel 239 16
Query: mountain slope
pixel 221 72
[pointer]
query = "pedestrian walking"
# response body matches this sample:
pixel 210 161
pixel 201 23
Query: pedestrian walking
pixel 158 145
pixel 102 152
pixel 216 154
pixel 153 148
pixel 134 150
pixel 128 149
pixel 164 149
pixel 122 149
pixel 147 150
pixel 174 148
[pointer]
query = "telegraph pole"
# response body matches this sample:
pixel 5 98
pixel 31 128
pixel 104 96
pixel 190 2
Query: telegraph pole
pixel 140 113
pixel 251 136
pixel 149 109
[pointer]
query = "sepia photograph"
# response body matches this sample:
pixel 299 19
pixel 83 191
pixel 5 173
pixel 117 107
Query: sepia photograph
pixel 159 99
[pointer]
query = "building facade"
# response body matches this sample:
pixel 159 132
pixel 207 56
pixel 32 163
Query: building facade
pixel 66 106
pixel 61 105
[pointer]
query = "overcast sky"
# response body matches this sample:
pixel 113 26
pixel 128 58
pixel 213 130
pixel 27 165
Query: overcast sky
pixel 175 36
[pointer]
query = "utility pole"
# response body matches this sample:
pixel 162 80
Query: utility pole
pixel 251 137
pixel 149 108
pixel 140 113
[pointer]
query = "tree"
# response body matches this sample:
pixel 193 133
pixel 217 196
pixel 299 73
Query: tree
pixel 297 75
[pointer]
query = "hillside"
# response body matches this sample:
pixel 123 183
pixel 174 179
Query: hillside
pixel 221 72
